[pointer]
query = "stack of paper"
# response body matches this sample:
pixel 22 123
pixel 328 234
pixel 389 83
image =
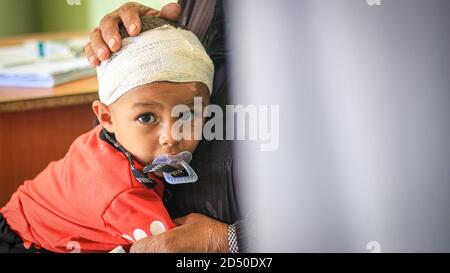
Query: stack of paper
pixel 10 56
pixel 44 64
pixel 45 73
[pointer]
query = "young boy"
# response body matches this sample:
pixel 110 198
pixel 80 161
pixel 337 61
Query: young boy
pixel 98 198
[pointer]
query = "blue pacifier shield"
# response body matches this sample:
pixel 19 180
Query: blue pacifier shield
pixel 180 161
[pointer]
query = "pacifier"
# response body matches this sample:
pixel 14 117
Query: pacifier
pixel 175 168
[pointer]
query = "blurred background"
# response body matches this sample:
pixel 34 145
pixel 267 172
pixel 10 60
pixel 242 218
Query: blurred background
pixel 31 16
pixel 45 81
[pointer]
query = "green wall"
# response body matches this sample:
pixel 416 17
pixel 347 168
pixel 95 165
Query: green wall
pixel 98 8
pixel 17 17
pixel 25 16
pixel 57 15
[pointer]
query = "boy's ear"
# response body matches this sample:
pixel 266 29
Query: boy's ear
pixel 103 113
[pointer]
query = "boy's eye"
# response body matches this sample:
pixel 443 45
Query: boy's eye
pixel 147 118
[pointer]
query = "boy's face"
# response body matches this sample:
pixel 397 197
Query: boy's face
pixel 141 119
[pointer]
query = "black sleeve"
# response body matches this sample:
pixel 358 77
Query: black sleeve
pixel 10 242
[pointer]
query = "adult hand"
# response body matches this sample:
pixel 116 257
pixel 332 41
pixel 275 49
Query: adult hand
pixel 195 233
pixel 106 38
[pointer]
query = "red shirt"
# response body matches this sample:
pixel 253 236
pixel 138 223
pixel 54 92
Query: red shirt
pixel 89 201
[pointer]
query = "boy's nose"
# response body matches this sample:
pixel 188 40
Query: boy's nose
pixel 166 137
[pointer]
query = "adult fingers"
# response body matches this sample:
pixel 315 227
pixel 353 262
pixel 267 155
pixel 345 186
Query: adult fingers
pixel 171 11
pixel 99 46
pixel 91 56
pixel 109 29
pixel 130 14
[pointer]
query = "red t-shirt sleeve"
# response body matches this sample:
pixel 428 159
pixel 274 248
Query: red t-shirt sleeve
pixel 137 213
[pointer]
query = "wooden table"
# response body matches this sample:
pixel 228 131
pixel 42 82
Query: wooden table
pixel 37 126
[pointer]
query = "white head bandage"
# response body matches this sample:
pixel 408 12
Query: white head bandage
pixel 162 54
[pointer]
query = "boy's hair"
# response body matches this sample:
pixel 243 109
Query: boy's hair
pixel 148 23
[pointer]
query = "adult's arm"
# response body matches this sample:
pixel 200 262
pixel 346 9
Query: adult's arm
pixel 196 233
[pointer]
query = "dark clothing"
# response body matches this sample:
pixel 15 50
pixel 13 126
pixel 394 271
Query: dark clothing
pixel 207 20
pixel 11 243
pixel 214 194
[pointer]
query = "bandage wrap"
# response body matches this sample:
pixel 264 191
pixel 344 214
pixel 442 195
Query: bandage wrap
pixel 163 54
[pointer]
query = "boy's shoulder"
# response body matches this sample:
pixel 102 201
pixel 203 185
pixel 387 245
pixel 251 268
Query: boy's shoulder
pixel 90 153
pixel 96 169
pixel 80 187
